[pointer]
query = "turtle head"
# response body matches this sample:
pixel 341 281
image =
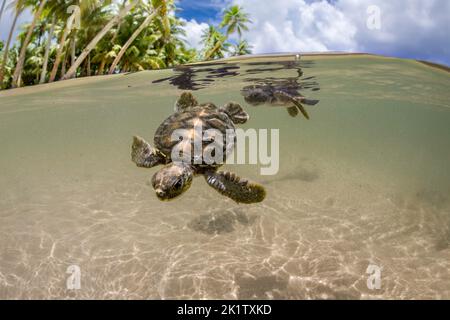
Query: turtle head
pixel 255 95
pixel 186 100
pixel 172 180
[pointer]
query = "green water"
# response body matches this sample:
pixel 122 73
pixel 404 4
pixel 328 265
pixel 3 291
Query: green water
pixel 365 181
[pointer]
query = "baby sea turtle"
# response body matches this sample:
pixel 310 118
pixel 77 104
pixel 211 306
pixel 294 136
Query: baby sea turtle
pixel 176 176
pixel 278 94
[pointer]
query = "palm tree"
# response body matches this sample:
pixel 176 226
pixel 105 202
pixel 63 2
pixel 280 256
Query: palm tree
pixel 208 34
pixel 174 47
pixel 33 62
pixel 164 6
pixel 47 49
pixel 23 50
pixel 60 49
pixel 104 55
pixel 124 48
pixel 234 20
pixel 86 6
pixel 113 36
pixel 92 21
pixel 214 42
pixel 241 48
pixel 73 69
pixel 19 6
pixel 146 51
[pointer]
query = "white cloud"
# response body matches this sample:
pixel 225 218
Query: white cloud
pixel 409 28
pixel 295 25
pixel 194 32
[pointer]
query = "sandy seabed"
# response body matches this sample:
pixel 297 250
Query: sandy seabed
pixel 364 182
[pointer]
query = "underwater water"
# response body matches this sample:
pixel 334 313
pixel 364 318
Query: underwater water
pixel 365 181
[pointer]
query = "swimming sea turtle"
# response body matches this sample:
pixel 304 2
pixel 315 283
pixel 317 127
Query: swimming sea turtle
pixel 278 94
pixel 176 176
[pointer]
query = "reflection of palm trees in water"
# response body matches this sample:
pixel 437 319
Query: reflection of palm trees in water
pixel 283 91
pixel 190 77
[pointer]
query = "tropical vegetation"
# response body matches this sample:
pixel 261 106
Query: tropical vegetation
pixel 79 38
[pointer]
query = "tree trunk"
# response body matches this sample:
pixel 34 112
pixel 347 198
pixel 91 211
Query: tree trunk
pixel 217 46
pixel 8 42
pixel 89 66
pixel 47 50
pixel 61 48
pixel 101 69
pixel 39 38
pixel 214 49
pixel 131 39
pixel 97 38
pixel 23 51
pixel 63 66
pixel 72 52
pixel 2 9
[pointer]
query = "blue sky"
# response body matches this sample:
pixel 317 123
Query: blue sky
pixel 413 29
pixel 406 28
pixel 202 11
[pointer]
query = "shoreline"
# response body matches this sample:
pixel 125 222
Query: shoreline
pixel 435 65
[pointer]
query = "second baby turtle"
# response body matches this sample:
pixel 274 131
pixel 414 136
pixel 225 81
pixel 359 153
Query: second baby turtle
pixel 278 94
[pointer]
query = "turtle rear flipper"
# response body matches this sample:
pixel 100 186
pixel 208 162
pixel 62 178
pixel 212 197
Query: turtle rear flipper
pixel 302 109
pixel 144 155
pixel 235 112
pixel 239 190
pixel 300 101
pixel 293 111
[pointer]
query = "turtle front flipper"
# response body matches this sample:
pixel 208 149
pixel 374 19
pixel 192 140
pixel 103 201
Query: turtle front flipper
pixel 144 155
pixel 308 102
pixel 239 190
pixel 236 113
pixel 185 101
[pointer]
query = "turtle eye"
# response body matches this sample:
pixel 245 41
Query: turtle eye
pixel 178 185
